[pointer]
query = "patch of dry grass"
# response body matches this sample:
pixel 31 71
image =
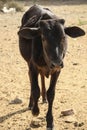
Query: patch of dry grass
pixel 81 22
pixel 16 5
pixel 1 4
pixel 11 4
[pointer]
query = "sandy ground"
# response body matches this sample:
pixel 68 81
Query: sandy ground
pixel 71 88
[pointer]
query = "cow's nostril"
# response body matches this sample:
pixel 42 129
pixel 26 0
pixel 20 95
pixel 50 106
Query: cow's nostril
pixel 53 65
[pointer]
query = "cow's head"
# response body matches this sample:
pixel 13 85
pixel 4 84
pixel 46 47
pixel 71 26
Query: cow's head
pixel 54 42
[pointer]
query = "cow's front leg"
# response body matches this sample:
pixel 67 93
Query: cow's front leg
pixel 30 106
pixel 35 90
pixel 50 98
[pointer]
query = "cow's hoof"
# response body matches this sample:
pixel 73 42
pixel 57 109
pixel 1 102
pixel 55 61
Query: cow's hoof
pixel 50 128
pixel 30 108
pixel 35 111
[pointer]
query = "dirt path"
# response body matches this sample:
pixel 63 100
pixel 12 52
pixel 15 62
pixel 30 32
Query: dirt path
pixel 71 89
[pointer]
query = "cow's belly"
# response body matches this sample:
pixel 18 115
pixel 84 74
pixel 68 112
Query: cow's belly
pixel 46 71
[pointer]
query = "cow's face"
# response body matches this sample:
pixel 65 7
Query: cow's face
pixel 53 41
pixel 53 34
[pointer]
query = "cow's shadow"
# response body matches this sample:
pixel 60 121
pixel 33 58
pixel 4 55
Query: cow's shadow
pixel 5 117
pixel 33 124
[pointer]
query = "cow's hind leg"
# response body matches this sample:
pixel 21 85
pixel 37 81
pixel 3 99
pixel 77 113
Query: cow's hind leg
pixel 35 90
pixel 30 106
pixel 44 98
pixel 50 98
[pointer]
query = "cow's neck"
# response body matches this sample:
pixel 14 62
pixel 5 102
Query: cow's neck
pixel 37 52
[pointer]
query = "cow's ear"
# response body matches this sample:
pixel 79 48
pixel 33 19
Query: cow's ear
pixel 29 33
pixel 74 31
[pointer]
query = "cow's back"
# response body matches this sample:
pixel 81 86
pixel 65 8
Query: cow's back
pixel 25 45
pixel 35 13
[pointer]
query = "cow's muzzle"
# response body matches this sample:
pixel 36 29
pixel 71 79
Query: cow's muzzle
pixel 56 65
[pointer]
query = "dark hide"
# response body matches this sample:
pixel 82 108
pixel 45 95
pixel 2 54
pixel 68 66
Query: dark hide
pixel 43 44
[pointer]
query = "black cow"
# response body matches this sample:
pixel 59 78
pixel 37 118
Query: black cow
pixel 43 44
